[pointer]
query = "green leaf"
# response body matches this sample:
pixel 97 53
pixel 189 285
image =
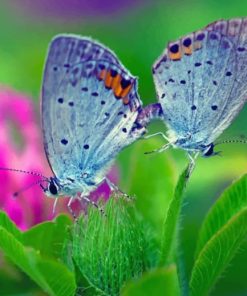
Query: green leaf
pixel 55 234
pixel 151 178
pixel 170 243
pixel 14 282
pixel 171 223
pixel 222 233
pixel 9 225
pixel 51 275
pixel 109 248
pixel 160 282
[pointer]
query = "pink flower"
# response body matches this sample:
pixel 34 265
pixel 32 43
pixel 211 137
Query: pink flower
pixel 21 147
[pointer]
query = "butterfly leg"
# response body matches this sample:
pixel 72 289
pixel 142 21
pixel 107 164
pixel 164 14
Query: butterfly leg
pixel 157 134
pixel 70 209
pixel 89 201
pixel 116 189
pixel 163 148
pixel 192 163
pixel 54 206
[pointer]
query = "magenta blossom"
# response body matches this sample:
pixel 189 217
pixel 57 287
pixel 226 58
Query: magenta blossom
pixel 21 147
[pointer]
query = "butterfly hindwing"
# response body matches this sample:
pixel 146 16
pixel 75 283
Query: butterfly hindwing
pixel 200 80
pixel 89 107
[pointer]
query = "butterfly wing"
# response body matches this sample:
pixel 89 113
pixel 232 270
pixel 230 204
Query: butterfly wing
pixel 89 107
pixel 201 80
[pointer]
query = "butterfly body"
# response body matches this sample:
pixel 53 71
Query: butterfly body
pixel 69 187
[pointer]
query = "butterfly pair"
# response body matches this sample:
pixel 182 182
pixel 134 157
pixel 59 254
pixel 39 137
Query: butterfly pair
pixel 91 109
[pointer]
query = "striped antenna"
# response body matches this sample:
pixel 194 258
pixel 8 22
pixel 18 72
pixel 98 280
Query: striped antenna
pixel 29 186
pixel 233 141
pixel 24 172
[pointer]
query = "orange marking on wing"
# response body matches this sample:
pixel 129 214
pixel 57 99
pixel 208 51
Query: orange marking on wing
pixel 108 79
pixel 188 50
pixel 116 82
pixel 117 91
pixel 126 91
pixel 175 56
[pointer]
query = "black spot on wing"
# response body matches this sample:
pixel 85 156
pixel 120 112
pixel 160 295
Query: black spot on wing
pixel 125 83
pixel 174 48
pixel 64 141
pixel 113 73
pixel 200 37
pixel 187 42
pixel 213 36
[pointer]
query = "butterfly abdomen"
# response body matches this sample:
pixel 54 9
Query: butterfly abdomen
pixel 150 112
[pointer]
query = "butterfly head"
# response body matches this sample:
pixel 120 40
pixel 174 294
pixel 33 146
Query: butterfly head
pixel 208 151
pixel 53 188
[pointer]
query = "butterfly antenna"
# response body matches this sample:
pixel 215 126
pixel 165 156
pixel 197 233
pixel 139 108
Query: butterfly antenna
pixel 24 172
pixel 15 194
pixel 233 141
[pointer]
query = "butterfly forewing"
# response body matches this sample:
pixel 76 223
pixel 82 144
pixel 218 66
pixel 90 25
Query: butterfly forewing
pixel 200 80
pixel 89 107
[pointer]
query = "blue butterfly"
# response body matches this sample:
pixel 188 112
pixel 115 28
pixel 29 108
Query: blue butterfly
pixel 89 109
pixel 201 86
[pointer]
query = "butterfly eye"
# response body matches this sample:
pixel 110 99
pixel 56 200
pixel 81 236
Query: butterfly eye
pixel 53 188
pixel 209 151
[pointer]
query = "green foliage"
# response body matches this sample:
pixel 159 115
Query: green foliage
pixel 115 251
pixel 109 247
pixel 151 178
pixel 221 235
pixel 54 234
pixel 170 244
pixel 50 274
pixel 161 281
pixel 171 223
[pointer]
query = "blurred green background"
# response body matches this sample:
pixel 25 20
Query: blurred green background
pixel 137 31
